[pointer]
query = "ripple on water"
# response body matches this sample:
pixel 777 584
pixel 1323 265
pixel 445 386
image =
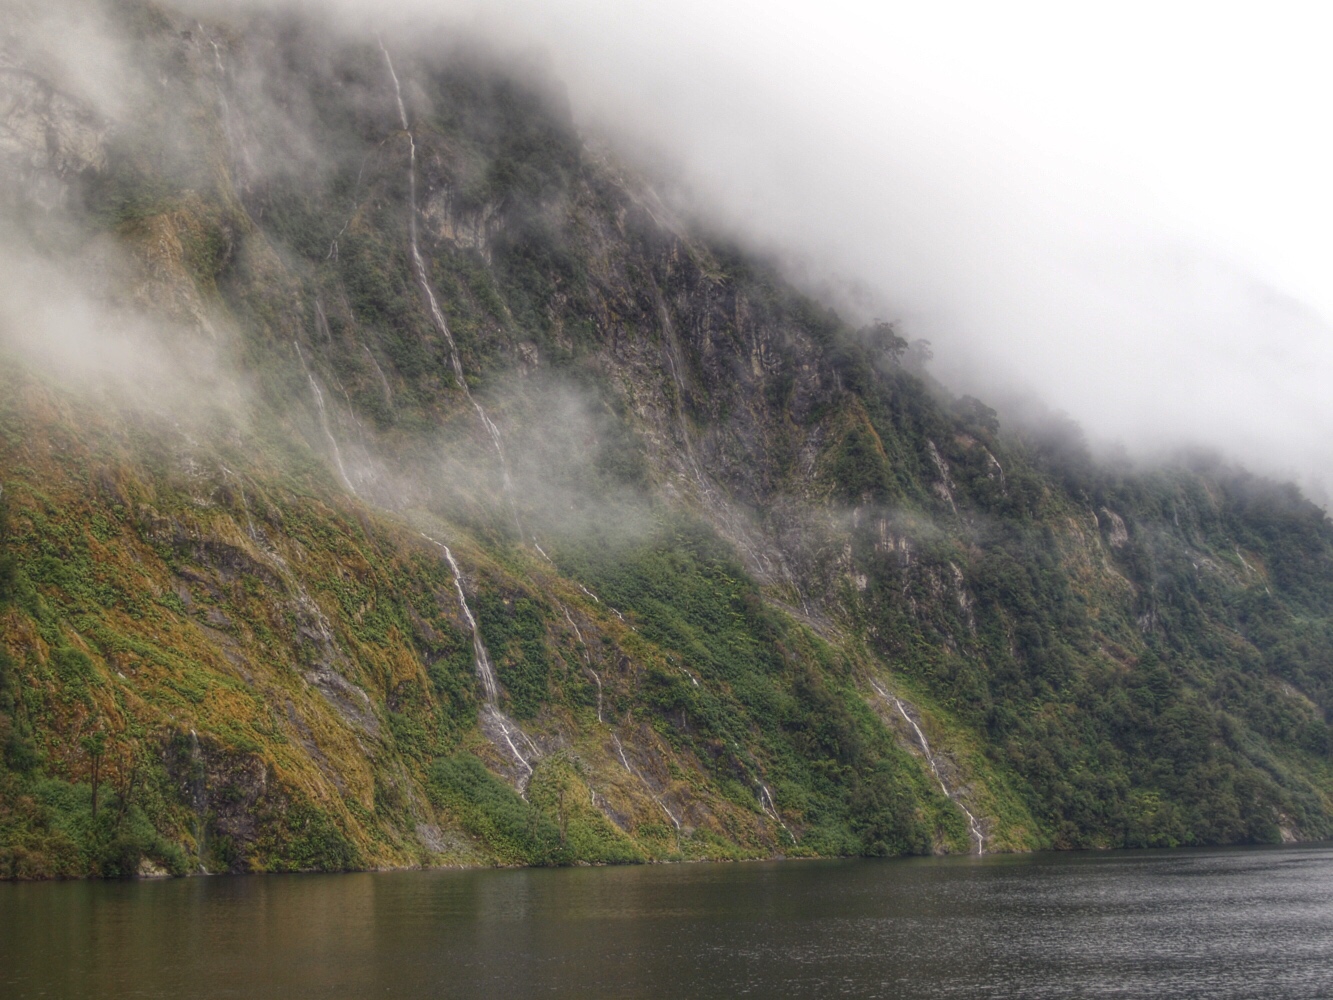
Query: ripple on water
pixel 1212 925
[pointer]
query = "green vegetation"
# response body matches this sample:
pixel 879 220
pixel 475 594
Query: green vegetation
pixel 514 629
pixel 758 527
pixel 761 701
pixel 52 826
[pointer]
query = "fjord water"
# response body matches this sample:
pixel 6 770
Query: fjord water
pixel 1198 924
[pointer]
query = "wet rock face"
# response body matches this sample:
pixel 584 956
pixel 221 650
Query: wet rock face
pixel 229 793
pixel 48 140
pixel 410 260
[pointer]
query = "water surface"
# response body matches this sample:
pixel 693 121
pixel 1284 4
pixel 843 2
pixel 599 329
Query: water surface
pixel 1198 924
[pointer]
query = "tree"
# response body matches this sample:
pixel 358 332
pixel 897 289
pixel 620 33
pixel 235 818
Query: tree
pixel 94 745
pixel 884 342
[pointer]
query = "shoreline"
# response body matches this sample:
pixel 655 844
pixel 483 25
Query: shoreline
pixel 769 859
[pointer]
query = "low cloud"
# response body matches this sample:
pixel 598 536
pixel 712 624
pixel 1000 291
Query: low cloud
pixel 1121 211
pixel 1090 206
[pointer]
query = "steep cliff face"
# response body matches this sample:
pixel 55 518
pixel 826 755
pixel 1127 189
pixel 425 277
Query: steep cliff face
pixel 459 503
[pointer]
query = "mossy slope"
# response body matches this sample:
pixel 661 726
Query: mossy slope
pixel 740 560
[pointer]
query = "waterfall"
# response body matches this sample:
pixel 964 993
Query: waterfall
pixel 303 599
pixel 221 69
pixel 510 733
pixel 592 597
pixel 384 382
pixel 233 125
pixel 245 506
pixel 324 419
pixel 502 729
pixel 620 748
pixel 770 807
pixel 620 752
pixel 615 738
pixel 587 659
pixel 598 600
pixel 974 828
pixel 481 656
pixel 322 328
pixel 437 315
pixel 198 797
pixel 314 616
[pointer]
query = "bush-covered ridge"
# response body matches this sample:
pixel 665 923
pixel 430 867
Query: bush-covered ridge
pixel 742 560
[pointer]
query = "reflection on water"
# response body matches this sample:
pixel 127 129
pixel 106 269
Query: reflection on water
pixel 1197 924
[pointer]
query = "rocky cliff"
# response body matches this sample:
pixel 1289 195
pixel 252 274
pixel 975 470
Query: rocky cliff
pixel 390 478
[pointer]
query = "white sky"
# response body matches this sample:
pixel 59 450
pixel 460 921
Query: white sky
pixel 1123 206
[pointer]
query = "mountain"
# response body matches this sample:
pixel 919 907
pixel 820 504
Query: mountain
pixel 391 478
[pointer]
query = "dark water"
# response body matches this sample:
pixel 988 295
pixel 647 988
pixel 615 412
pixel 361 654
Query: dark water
pixel 1197 924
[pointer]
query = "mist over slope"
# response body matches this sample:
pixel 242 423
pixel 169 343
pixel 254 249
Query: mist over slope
pixel 391 477
pixel 1120 210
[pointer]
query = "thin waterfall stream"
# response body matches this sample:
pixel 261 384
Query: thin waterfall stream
pixel 770 807
pixel 503 730
pixel 974 828
pixel 615 738
pixel 499 728
pixel 324 420
pixel 198 798
pixel 436 313
pixel 620 752
pixel 587 658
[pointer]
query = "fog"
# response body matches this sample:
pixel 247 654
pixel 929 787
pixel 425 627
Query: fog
pixel 1124 211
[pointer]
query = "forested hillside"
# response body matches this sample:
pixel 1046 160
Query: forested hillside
pixel 390 478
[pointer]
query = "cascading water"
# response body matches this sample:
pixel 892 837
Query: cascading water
pixel 615 738
pixel 770 807
pixel 384 382
pixel 597 600
pixel 508 732
pixel 629 768
pixel 323 631
pixel 733 528
pixel 502 728
pixel 587 658
pixel 324 420
pixel 221 70
pixel 686 671
pixel 483 660
pixel 233 125
pixel 245 505
pixel 437 314
pixel 974 828
pixel 322 327
pixel 198 798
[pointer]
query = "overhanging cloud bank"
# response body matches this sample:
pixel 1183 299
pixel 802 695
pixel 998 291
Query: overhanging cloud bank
pixel 1043 195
